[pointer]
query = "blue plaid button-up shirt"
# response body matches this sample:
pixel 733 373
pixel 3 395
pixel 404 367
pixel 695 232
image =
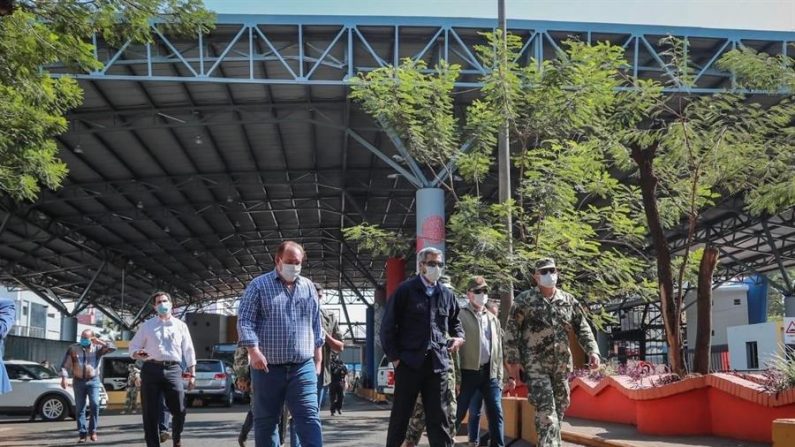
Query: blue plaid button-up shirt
pixel 284 324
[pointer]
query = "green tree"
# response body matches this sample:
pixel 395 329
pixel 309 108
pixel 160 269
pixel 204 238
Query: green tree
pixel 35 34
pixel 694 151
pixel 567 203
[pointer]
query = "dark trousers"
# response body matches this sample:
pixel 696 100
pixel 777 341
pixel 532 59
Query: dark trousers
pixel 246 428
pixel 158 381
pixel 410 382
pixel 337 396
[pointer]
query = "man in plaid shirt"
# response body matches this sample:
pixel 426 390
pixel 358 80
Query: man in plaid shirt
pixel 279 324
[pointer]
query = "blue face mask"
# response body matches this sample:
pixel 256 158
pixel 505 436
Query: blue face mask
pixel 163 308
pixel 84 342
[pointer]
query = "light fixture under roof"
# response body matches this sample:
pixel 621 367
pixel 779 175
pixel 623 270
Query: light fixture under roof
pixel 198 139
pixel 393 176
pixel 78 149
pixel 167 229
pixel 139 205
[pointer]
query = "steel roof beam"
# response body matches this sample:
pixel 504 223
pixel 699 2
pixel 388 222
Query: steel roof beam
pixel 445 35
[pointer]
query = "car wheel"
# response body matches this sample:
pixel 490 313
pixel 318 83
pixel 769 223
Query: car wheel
pixel 53 408
pixel 230 398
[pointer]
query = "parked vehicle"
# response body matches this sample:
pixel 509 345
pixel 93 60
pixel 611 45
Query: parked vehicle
pixel 215 381
pixel 224 351
pixel 36 389
pixel 386 377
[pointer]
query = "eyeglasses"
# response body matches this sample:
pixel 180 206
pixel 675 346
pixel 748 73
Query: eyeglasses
pixel 434 263
pixel 481 290
pixel 547 271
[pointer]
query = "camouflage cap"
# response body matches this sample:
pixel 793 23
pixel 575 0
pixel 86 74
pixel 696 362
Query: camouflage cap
pixel 545 263
pixel 476 282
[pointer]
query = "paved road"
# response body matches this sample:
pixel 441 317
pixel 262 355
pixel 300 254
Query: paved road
pixel 363 424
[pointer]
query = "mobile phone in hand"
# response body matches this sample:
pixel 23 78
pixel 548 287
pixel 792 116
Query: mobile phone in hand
pixel 142 353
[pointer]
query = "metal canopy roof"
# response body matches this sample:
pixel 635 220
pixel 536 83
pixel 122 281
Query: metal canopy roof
pixel 191 159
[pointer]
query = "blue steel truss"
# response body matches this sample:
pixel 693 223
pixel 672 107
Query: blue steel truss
pixel 329 50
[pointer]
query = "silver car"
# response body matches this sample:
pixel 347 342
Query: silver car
pixel 36 389
pixel 215 381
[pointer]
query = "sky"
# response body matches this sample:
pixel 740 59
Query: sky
pixel 771 15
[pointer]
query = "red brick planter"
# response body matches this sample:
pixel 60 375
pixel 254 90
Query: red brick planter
pixel 716 404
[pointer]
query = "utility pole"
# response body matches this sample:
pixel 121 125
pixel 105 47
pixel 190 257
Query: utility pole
pixel 504 160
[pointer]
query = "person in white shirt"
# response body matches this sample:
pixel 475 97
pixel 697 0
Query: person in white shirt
pixel 163 343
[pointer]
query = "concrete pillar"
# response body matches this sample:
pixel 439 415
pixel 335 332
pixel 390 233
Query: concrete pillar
pixel 379 306
pixel 370 365
pixel 69 329
pixel 430 218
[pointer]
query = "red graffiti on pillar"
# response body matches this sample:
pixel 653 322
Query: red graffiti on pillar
pixel 432 232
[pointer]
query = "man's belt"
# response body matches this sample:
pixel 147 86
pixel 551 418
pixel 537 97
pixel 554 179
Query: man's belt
pixel 164 362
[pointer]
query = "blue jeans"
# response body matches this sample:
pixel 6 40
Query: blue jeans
pixel 295 383
pixel 492 394
pixel 322 392
pixel 473 425
pixel 86 389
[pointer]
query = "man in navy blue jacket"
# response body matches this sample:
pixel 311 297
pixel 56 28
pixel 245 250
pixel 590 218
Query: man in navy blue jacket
pixel 420 325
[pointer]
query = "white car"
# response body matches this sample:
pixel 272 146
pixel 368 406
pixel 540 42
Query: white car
pixel 386 377
pixel 36 389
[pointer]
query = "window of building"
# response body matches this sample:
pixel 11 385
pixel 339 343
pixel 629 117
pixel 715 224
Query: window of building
pixel 752 355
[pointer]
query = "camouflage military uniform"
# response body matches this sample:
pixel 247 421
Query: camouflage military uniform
pixel 536 337
pixel 417 421
pixel 133 379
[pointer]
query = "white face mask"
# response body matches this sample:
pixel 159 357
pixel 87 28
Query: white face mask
pixel 433 274
pixel 290 272
pixel 549 280
pixel 481 299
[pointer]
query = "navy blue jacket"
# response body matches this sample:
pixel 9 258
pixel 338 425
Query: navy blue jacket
pixel 415 323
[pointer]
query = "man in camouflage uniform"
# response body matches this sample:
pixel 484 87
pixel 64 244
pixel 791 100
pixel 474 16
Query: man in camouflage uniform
pixel 536 340
pixel 133 385
pixel 417 421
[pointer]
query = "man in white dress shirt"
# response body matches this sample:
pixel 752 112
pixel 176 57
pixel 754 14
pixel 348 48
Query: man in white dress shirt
pixel 163 343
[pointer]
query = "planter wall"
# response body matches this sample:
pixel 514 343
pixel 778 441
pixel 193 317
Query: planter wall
pixel 717 404
pixel 592 406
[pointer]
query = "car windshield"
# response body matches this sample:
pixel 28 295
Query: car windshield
pixel 209 366
pixel 40 372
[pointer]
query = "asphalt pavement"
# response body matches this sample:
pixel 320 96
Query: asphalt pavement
pixel 362 424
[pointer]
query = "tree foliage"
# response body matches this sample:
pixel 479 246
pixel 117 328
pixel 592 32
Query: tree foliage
pixel 608 165
pixel 696 151
pixel 567 204
pixel 35 34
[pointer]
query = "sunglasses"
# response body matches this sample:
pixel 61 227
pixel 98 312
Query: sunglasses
pixel 481 290
pixel 434 264
pixel 547 271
